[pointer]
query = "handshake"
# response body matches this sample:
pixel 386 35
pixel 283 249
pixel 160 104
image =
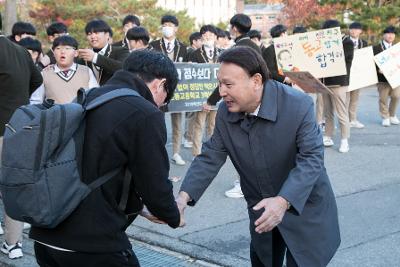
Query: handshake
pixel 181 201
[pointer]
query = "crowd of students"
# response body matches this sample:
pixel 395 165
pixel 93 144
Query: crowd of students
pixel 66 67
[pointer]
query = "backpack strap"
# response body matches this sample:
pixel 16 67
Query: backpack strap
pixel 109 96
pixel 125 190
pixel 103 179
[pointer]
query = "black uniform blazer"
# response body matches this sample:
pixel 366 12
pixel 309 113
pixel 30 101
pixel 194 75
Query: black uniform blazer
pixel 19 78
pixel 180 50
pixel 200 55
pixel 109 63
pixel 269 57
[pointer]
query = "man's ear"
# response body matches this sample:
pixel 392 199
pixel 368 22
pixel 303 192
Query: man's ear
pixel 257 79
pixel 76 53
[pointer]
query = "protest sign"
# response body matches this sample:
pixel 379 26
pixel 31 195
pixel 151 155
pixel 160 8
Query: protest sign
pixel 196 83
pixel 307 82
pixel 318 52
pixel 363 71
pixel 388 62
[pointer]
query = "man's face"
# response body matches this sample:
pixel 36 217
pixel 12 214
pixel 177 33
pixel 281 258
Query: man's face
pixel 237 88
pixel 128 26
pixel 197 43
pixel 65 55
pixel 98 40
pixel 34 55
pixel 169 29
pixel 389 37
pixel 209 38
pixel 355 33
pixel 22 36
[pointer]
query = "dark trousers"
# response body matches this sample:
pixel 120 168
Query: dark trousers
pixel 49 257
pixel 271 252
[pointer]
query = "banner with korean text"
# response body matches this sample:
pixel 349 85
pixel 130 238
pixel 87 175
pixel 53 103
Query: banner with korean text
pixel 196 83
pixel 318 52
pixel 363 71
pixel 388 62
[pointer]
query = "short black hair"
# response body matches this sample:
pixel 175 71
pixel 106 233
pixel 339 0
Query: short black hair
pixel 56 28
pixel 21 27
pixel 389 29
pixel 169 18
pixel 194 37
pixel 248 59
pixel 97 25
pixel 220 33
pixel 65 40
pixel 208 28
pixel 242 23
pixel 132 19
pixel 31 44
pixel 330 23
pixel 299 29
pixel 138 33
pixel 254 34
pixel 355 25
pixel 228 35
pixel 150 65
pixel 277 30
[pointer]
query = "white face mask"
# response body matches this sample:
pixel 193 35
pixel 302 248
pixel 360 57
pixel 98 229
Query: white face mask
pixel 167 31
pixel 209 43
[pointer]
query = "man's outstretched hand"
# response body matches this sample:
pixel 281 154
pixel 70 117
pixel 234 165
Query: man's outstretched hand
pixel 182 200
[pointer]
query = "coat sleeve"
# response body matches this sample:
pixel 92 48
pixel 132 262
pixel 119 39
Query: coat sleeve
pixel 36 78
pixel 205 166
pixel 270 59
pixel 113 64
pixel 149 164
pixel 309 161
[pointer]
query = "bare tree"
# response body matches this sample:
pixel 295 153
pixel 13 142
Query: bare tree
pixel 10 15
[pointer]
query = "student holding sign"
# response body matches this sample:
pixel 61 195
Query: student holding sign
pixel 355 30
pixel 388 112
pixel 337 100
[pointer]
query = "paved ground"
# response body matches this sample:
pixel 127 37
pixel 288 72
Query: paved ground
pixel 366 182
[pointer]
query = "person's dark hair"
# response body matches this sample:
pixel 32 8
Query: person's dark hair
pixel 208 28
pixel 389 29
pixel 299 29
pixel 228 35
pixel 21 27
pixel 242 23
pixel 277 30
pixel 31 44
pixel 248 59
pixel 330 23
pixel 138 33
pixel 56 28
pixel 150 65
pixel 254 34
pixel 65 40
pixel 132 19
pixel 194 37
pixel 355 25
pixel 97 25
pixel 220 33
pixel 170 18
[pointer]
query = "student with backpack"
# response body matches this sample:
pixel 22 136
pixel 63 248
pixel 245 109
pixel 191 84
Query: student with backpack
pixel 117 125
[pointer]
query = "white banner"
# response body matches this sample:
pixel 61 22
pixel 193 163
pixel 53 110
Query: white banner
pixel 388 62
pixel 363 70
pixel 318 52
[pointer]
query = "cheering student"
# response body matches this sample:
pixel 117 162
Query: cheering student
pixel 104 59
pixel 62 80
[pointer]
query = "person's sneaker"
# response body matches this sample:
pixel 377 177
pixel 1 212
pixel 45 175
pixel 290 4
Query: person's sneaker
pixel 13 251
pixel 235 192
pixel 356 124
pixel 386 122
pixel 27 226
pixel 187 144
pixel 344 146
pixel 177 159
pixel 394 120
pixel 328 141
